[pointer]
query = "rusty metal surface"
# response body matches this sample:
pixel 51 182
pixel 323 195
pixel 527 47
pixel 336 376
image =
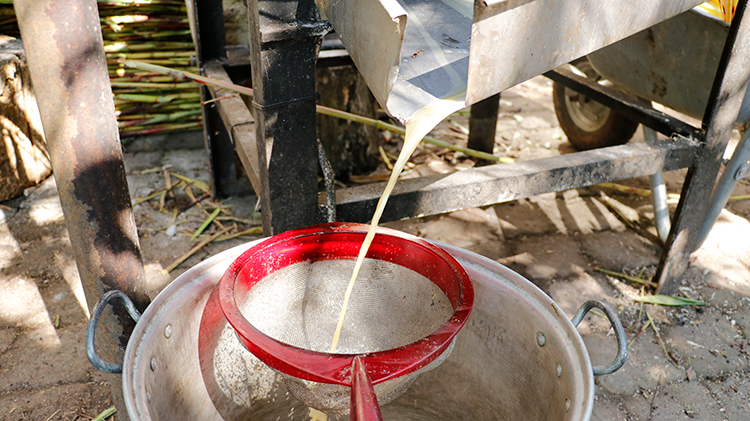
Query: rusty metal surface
pixel 672 63
pixel 65 55
pixel 492 184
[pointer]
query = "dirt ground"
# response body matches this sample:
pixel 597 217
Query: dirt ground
pixel 695 366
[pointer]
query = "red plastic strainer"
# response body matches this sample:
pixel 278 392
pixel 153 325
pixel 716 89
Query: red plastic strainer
pixel 283 297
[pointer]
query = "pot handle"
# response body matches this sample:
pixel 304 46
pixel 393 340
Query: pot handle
pixel 94 358
pixel 622 342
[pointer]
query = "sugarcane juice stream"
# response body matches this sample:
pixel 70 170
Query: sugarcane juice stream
pixel 417 127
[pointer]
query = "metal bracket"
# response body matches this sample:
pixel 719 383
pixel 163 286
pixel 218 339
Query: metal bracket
pixel 267 107
pixel 742 172
pixel 289 31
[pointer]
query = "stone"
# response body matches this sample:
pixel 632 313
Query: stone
pixel 24 161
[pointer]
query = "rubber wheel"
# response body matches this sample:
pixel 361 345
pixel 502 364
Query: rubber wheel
pixel 589 124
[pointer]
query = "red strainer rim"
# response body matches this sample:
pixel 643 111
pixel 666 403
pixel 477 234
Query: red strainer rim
pixel 342 241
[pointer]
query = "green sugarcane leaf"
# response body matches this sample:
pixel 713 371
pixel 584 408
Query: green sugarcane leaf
pixel 203 186
pixel 205 225
pixel 668 300
pixel 105 414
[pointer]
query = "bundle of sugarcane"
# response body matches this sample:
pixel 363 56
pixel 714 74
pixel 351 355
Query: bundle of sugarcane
pixel 152 31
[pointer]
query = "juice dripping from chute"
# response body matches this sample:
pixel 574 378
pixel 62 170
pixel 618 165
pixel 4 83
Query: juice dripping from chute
pixel 417 127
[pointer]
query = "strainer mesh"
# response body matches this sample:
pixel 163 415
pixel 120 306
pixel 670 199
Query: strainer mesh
pixel 390 306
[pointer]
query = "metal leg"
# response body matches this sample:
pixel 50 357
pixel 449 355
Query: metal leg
pixel 211 47
pixel 284 39
pixel 721 112
pixel 483 123
pixel 658 194
pixel 65 54
pixel 736 169
pixel 661 210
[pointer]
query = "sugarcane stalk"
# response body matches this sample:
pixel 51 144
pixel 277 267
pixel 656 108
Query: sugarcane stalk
pixel 152 54
pixel 188 76
pixel 628 277
pixel 105 414
pixel 156 118
pixel 159 98
pixel 205 224
pixel 320 109
pixel 195 249
pixel 162 46
pixel 153 85
pixel 142 131
pixel 399 130
pixel 251 231
pixel 202 186
pixel 156 31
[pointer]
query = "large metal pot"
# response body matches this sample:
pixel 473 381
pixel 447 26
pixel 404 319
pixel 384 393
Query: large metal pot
pixel 517 358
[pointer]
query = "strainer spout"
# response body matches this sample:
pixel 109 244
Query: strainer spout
pixel 364 403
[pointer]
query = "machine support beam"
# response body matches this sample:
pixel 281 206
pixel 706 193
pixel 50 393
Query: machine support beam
pixel 492 184
pixel 723 107
pixel 65 55
pixel 237 122
pixel 284 42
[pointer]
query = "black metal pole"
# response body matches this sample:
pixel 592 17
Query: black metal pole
pixel 483 124
pixel 284 40
pixel 210 43
pixel 721 112
pixel 65 55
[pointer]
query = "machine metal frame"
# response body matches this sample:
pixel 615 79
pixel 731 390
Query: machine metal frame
pixel 289 203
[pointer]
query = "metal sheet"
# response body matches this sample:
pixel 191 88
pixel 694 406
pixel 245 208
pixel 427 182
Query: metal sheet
pixel 512 46
pixel 673 63
pixel 375 30
pixel 412 52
